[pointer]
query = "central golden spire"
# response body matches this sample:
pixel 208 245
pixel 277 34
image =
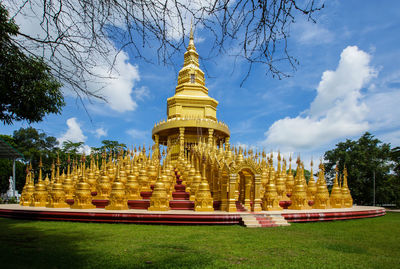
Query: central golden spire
pixel 190 111
pixel 191 76
pixel 191 40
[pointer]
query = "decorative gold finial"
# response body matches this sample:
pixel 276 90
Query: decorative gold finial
pixel 191 29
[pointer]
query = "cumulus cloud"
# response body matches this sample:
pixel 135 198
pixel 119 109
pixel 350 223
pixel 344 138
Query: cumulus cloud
pixel 99 132
pixel 337 111
pixel 74 134
pixel 117 84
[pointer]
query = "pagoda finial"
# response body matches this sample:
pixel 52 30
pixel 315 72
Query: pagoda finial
pixel 191 29
pixel 191 38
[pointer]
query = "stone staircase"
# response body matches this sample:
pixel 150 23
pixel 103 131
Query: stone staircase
pixel 180 198
pixel 255 220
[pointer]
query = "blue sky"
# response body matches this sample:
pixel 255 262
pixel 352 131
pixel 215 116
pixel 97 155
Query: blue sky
pixel 347 83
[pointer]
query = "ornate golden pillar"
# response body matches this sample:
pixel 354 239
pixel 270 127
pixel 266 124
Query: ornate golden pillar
pixel 224 191
pixel 181 141
pixel 247 191
pixel 216 190
pixel 241 187
pixel 210 137
pixel 231 195
pixel 227 145
pixel 157 147
pixel 228 152
pixel 257 189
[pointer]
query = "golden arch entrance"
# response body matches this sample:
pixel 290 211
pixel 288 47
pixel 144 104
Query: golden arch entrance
pixel 244 187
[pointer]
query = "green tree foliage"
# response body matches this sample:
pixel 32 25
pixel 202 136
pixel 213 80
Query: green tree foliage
pixel 34 144
pixel 28 91
pixel 6 168
pixel 71 149
pixel 365 158
pixel 109 146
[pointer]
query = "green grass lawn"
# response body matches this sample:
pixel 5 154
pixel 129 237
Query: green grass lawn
pixel 365 243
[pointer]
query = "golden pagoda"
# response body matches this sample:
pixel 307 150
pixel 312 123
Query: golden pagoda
pixel 198 169
pixel 191 113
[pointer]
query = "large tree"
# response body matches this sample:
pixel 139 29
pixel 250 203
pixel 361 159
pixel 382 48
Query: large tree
pixel 34 144
pixel 367 160
pixel 76 35
pixel 28 89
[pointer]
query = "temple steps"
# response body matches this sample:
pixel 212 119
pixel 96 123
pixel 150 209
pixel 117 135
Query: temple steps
pixel 263 220
pixel 250 221
pixel 181 205
pixel 180 188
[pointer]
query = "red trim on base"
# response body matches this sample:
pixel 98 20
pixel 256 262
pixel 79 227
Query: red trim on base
pixel 176 219
pixel 171 219
pixel 328 216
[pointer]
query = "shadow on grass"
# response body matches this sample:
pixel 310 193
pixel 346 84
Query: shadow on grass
pixel 25 246
pixel 39 244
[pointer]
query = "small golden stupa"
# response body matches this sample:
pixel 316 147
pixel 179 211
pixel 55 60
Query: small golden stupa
pixel 198 169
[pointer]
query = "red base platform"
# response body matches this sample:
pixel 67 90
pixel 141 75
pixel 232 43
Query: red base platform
pixel 335 215
pixel 180 217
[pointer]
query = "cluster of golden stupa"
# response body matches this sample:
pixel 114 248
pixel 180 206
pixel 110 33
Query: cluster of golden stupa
pixel 199 162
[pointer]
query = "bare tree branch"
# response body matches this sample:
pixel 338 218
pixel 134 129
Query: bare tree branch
pixel 75 36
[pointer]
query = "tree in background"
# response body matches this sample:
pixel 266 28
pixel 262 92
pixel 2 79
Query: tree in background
pixel 34 145
pixel 110 146
pixel 6 168
pixel 28 90
pixel 365 159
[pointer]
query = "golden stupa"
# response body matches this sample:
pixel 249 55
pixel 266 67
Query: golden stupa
pixel 191 113
pixel 199 169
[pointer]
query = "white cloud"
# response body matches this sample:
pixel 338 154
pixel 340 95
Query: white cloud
pixel 307 32
pixel 337 111
pixel 117 84
pixel 74 134
pixel 85 149
pixel 99 132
